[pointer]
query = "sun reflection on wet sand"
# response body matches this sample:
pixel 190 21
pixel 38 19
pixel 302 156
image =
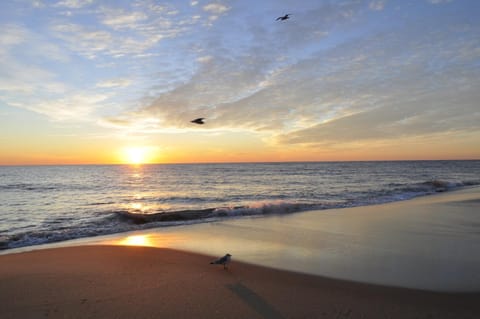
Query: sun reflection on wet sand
pixel 137 240
pixel 149 240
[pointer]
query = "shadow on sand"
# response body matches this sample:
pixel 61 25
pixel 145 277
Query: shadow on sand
pixel 255 301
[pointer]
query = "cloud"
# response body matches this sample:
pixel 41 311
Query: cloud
pixel 26 83
pixel 353 91
pixel 249 87
pixel 73 4
pixel 215 8
pixel 119 19
pixel 123 31
pixel 38 4
pixel 392 121
pixel 439 1
pixel 22 55
pixel 426 90
pixel 17 40
pixel 205 59
pixel 32 83
pixel 377 5
pixel 112 83
pixel 78 35
pixel 12 35
pixel 71 107
pixel 321 78
pixel 92 42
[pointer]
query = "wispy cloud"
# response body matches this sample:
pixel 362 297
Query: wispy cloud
pixel 353 91
pixel 123 31
pixel 439 1
pixel 336 72
pixel 111 83
pixel 73 4
pixel 377 5
pixel 77 107
pixel 87 42
pixel 120 19
pixel 38 4
pixel 215 8
pixel 26 83
pixel 11 35
pixel 21 70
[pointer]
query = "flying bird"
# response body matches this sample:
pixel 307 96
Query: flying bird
pixel 285 17
pixel 222 261
pixel 198 121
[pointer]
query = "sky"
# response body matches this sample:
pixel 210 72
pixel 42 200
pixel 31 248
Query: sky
pixel 98 82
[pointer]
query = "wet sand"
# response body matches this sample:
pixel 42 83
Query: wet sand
pixel 144 282
pixel 428 243
pixel 410 259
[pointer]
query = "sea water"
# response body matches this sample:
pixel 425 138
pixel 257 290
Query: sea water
pixel 44 204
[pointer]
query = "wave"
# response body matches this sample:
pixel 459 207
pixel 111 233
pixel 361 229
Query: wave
pixel 111 222
pixel 121 220
pixel 261 208
pixel 40 187
pixel 278 207
pixel 428 187
pixel 28 187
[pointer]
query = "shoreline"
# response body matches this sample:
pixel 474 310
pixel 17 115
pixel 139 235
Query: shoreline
pixel 144 282
pixel 94 239
pixel 424 243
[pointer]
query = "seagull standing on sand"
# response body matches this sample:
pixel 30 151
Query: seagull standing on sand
pixel 198 121
pixel 222 261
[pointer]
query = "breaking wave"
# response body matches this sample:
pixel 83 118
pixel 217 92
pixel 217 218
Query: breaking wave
pixel 109 215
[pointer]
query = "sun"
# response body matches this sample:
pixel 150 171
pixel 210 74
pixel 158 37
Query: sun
pixel 136 155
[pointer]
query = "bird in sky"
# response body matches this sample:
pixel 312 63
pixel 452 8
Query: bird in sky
pixel 285 17
pixel 225 260
pixel 198 121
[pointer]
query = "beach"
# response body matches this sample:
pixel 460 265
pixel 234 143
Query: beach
pixel 409 259
pixel 143 282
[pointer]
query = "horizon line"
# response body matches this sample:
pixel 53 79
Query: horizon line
pixel 240 162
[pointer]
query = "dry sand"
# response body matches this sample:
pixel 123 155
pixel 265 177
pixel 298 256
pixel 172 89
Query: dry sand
pixel 145 282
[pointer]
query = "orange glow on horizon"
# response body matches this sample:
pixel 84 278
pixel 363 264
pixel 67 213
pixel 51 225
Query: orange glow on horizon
pixel 218 149
pixel 138 155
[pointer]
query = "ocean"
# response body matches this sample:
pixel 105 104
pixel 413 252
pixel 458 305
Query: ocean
pixel 45 204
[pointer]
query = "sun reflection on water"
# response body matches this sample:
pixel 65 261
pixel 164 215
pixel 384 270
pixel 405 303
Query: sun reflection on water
pixel 137 206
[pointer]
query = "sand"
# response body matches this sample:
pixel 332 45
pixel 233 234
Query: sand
pixel 410 259
pixel 144 282
pixel 428 243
